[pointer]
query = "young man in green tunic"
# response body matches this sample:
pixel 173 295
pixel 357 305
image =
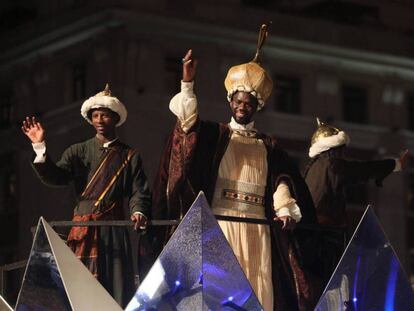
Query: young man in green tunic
pixel 103 171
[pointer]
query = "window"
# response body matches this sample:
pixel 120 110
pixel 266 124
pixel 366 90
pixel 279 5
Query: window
pixel 14 15
pixel 79 81
pixel 6 108
pixel 75 4
pixel 343 12
pixel 355 104
pixel 257 3
pixel 410 112
pixel 173 74
pixel 8 195
pixel 9 224
pixel 287 94
pixel 7 183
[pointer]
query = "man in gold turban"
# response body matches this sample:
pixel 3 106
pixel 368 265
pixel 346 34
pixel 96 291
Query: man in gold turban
pixel 243 173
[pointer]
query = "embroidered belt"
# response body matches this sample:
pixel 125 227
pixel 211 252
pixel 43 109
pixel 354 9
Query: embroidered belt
pixel 231 196
pixel 243 196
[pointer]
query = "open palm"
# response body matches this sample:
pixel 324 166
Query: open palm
pixel 33 130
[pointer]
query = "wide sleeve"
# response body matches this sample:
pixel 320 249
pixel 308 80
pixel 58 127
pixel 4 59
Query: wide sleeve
pixel 184 106
pixel 284 204
pixel 293 187
pixel 354 172
pixel 140 196
pixel 60 173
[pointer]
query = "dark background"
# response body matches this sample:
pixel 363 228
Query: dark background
pixel 348 62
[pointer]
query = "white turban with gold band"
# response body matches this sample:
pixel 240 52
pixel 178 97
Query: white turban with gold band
pixel 104 100
pixel 250 77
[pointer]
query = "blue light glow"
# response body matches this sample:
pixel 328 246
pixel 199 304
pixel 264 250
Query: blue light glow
pixel 200 279
pixel 231 298
pixel 392 282
pixel 177 283
pixel 355 299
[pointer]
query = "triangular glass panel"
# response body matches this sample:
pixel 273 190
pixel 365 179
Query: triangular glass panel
pixel 56 280
pixel 42 286
pixel 197 270
pixel 4 306
pixel 369 275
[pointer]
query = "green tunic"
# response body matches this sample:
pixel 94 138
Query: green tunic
pixel 76 167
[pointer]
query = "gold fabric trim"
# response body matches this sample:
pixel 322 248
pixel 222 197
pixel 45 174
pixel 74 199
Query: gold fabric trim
pixel 130 154
pixel 96 173
pixel 243 196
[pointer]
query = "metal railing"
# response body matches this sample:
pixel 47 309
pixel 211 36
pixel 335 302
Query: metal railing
pixel 158 222
pixel 7 268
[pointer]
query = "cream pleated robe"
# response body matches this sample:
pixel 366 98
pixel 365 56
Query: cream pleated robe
pixel 243 169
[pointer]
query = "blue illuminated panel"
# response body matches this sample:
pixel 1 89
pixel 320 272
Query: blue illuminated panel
pixel 42 287
pixel 369 275
pixel 197 270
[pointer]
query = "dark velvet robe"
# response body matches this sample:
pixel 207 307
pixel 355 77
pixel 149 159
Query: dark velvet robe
pixel 190 164
pixel 327 177
pixel 76 167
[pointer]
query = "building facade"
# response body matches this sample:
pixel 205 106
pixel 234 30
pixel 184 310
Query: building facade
pixel 349 64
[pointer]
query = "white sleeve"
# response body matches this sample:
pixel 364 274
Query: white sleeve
pixel 284 204
pixel 184 106
pixel 398 166
pixel 40 150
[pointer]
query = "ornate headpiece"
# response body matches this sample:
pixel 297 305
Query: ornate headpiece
pixel 104 100
pixel 250 77
pixel 325 138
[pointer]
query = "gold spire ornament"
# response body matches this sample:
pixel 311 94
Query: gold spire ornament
pixel 106 91
pixel 260 41
pixel 251 77
pixel 326 137
pixel 104 99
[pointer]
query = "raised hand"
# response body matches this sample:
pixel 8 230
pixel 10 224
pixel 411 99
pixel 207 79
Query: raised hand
pixel 189 67
pixel 33 130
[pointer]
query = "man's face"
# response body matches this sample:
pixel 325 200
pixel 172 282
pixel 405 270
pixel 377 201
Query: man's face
pixel 243 106
pixel 104 121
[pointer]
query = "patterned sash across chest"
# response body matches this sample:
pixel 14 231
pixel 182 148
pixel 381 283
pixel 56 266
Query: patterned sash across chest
pixel 84 240
pixel 106 174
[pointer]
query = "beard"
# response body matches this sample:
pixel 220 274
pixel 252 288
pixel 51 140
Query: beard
pixel 242 118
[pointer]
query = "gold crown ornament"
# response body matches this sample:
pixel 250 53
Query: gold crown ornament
pixel 251 77
pixel 325 138
pixel 323 130
pixel 104 100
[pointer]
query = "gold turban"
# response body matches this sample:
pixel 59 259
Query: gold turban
pixel 250 77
